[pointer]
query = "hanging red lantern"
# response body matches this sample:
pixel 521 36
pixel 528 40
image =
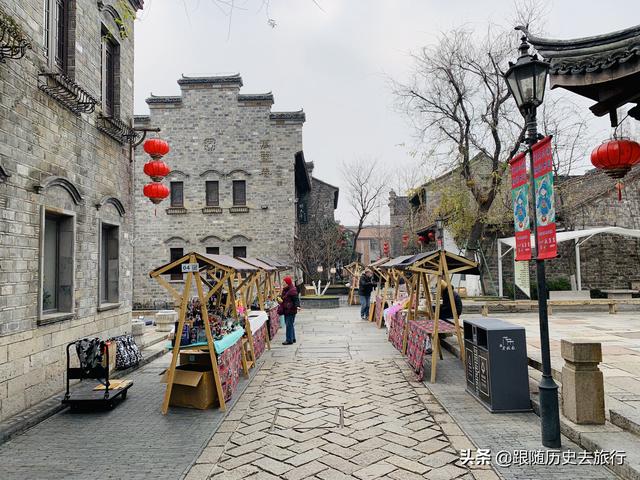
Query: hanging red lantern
pixel 156 192
pixel 616 157
pixel 156 148
pixel 405 240
pixel 157 170
pixel 422 239
pixel 431 235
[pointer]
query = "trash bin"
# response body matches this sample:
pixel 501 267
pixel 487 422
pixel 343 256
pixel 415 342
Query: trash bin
pixel 496 364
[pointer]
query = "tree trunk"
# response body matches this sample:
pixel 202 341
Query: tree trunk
pixel 473 243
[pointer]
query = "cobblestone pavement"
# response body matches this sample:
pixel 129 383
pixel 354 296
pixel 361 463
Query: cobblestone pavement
pixel 340 404
pixel 133 441
pixel 511 432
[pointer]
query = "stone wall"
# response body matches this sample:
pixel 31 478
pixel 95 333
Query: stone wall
pixel 217 133
pixel 58 161
pixel 322 199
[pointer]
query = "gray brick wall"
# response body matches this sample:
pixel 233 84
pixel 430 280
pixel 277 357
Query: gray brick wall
pixel 39 138
pixel 251 144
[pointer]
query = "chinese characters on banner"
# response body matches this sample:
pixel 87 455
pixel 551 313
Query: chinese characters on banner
pixel 545 204
pixel 520 197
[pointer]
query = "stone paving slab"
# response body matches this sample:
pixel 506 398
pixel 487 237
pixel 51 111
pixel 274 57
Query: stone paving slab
pixel 308 387
pixel 504 431
pixel 132 441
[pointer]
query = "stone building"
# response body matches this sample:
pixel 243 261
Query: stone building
pixel 582 201
pixel 237 171
pixel 65 186
pixel 371 240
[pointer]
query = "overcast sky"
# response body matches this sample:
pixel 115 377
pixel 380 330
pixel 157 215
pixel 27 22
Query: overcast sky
pixel 334 62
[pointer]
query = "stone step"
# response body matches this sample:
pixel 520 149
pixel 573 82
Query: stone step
pixel 627 419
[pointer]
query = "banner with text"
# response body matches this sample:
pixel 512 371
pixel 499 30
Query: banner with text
pixel 544 198
pixel 521 276
pixel 520 198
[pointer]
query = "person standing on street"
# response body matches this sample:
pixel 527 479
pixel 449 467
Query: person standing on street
pixel 289 307
pixel 365 287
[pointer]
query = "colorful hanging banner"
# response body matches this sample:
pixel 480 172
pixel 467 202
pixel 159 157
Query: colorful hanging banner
pixel 520 198
pixel 544 197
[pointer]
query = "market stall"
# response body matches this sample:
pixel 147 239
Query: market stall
pixel 394 315
pixel 433 268
pixel 354 269
pixel 379 298
pixel 261 287
pixel 213 333
pixel 275 285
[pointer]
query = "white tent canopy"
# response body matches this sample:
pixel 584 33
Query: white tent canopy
pixel 578 236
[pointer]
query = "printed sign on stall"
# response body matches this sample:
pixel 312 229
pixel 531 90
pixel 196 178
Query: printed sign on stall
pixel 544 198
pixel 520 197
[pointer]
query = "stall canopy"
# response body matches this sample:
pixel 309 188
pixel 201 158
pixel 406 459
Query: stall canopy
pixel 578 237
pixel 259 263
pixel 274 263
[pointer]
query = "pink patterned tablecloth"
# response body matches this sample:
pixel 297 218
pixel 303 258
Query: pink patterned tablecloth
pixel 259 341
pixel 274 322
pixel 419 330
pixel 230 365
pixel 396 328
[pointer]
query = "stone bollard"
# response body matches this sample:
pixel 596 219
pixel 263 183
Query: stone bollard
pixel 165 320
pixel 137 330
pixel 582 382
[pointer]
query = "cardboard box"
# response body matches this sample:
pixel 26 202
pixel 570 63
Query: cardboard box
pixel 195 357
pixel 193 387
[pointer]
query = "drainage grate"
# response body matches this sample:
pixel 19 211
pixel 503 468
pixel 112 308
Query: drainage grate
pixel 308 418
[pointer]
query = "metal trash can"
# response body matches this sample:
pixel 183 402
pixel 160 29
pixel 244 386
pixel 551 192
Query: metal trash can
pixel 496 364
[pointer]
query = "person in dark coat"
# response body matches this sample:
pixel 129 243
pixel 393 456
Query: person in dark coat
pixel 288 308
pixel 446 312
pixel 365 287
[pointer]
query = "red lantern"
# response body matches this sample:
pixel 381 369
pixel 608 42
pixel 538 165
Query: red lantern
pixel 422 239
pixel 431 235
pixel 156 192
pixel 616 157
pixel 157 170
pixel 385 248
pixel 405 240
pixel 156 147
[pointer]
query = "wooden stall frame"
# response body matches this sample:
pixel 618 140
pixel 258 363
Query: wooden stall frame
pixel 184 300
pixel 355 270
pixel 443 272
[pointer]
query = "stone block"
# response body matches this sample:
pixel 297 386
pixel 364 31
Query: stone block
pixel 582 382
pixel 578 351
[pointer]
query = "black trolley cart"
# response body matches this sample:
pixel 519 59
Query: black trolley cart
pixel 93 395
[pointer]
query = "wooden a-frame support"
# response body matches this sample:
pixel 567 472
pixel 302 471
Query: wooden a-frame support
pixel 184 300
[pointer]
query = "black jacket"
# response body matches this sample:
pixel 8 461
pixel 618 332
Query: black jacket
pixel 366 285
pixel 445 309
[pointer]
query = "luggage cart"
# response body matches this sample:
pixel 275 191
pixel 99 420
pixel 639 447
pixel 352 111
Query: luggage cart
pixel 100 395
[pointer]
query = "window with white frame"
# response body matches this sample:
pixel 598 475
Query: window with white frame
pixel 57 33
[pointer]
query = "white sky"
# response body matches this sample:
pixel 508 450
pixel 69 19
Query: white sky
pixel 334 63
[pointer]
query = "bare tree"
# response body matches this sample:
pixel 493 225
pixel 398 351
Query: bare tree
pixel 458 100
pixel 366 185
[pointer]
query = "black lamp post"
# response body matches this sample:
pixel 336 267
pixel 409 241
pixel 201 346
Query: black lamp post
pixel 526 80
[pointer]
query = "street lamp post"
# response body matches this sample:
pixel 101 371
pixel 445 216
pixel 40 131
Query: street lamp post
pixel 526 81
pixel 440 232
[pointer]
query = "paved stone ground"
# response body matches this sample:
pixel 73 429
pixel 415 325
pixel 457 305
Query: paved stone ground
pixel 504 431
pixel 340 404
pixel 620 338
pixel 132 441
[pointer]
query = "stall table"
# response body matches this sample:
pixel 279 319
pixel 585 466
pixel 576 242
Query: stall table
pixel 419 331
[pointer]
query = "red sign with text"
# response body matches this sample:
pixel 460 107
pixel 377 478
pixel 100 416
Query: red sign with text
pixel 544 198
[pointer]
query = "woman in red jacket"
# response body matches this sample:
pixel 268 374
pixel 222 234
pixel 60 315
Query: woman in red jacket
pixel 289 309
